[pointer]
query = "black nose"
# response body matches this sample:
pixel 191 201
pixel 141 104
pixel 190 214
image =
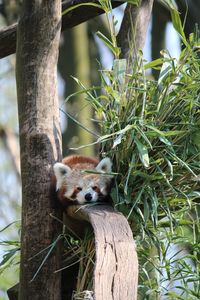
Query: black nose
pixel 88 197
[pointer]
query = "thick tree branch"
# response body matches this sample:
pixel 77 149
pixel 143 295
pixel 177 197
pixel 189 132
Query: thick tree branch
pixel 132 34
pixel 69 20
pixel 116 267
pixel 8 40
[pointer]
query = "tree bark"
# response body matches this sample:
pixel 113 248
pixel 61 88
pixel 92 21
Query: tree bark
pixel 132 34
pixel 69 20
pixel 116 265
pixel 40 144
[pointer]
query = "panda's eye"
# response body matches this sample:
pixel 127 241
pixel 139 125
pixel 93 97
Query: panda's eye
pixel 94 188
pixel 79 188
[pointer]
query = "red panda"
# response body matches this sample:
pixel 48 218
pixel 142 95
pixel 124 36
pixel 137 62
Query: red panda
pixel 74 186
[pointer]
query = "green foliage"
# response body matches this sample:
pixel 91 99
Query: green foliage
pixel 170 4
pixel 9 263
pixel 151 134
pixel 12 248
pixel 150 129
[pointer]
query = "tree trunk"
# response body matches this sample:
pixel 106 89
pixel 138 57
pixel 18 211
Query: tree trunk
pixel 132 34
pixel 40 142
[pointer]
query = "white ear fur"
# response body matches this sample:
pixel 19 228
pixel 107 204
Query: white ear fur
pixel 61 171
pixel 105 165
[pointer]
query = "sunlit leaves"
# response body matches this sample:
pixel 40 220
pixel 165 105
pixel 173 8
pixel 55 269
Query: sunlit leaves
pixel 150 129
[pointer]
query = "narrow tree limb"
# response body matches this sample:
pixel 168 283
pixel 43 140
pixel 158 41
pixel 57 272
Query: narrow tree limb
pixel 132 34
pixel 12 146
pixel 69 20
pixel 116 267
pixel 13 292
pixel 8 40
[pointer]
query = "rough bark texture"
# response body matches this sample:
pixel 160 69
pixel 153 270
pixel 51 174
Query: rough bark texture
pixel 132 34
pixel 116 267
pixel 40 142
pixel 69 20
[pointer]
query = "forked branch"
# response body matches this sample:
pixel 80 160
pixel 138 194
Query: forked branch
pixel 69 20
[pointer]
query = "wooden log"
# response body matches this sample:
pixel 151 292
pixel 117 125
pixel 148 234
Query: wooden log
pixel 116 267
pixel 69 20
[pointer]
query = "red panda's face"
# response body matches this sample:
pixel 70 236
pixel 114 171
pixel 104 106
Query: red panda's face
pixel 82 187
pixel 86 188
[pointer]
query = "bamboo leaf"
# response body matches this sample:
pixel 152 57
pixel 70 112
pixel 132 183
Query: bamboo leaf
pixel 8 256
pixel 153 63
pixel 119 71
pixel 52 246
pixel 117 141
pixel 7 226
pixel 143 153
pixel 175 16
pixel 108 43
pixel 78 123
pixel 79 5
pixel 178 25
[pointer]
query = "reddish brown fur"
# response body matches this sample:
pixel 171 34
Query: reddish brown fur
pixel 74 162
pixel 61 193
pixel 80 162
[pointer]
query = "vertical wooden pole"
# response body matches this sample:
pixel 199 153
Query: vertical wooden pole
pixel 40 144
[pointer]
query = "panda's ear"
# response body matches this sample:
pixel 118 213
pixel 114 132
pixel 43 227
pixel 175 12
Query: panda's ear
pixel 105 165
pixel 61 172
